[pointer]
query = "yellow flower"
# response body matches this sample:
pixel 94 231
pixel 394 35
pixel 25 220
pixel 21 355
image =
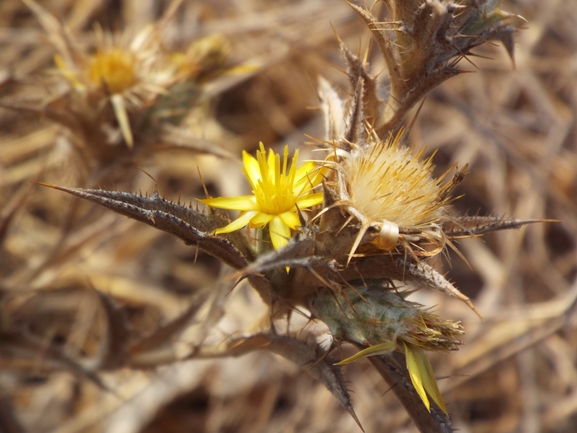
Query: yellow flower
pixel 113 68
pixel 278 195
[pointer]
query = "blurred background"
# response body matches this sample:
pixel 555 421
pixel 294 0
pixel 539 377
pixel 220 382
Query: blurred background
pixel 213 78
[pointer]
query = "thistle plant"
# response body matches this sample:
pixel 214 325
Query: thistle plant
pixel 353 231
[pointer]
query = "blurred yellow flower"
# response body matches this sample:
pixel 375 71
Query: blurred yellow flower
pixel 113 68
pixel 279 194
pixel 129 73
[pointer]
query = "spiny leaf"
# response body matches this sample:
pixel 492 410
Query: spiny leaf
pixel 357 73
pixel 321 368
pixel 307 271
pixel 187 224
pixel 113 349
pixel 191 226
pixel 469 226
pixel 355 121
pixel 425 274
pixel 385 46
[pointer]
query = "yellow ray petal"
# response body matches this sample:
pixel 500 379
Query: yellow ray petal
pixel 241 202
pixel 306 177
pixel 429 380
pixel 290 219
pixel 260 219
pixel 237 224
pixel 251 169
pixel 309 200
pixel 279 233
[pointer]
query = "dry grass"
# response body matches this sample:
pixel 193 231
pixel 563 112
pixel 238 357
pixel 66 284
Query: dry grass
pixel 516 127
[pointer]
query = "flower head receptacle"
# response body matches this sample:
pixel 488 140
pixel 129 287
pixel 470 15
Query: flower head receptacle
pixel 385 321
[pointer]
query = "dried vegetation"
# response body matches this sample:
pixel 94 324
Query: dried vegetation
pixel 108 324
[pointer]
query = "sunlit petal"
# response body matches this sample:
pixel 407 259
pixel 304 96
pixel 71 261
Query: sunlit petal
pixel 428 378
pixel 279 233
pixel 310 200
pixel 241 202
pixel 260 219
pixel 308 179
pixel 291 219
pixel 304 170
pixel 237 224
pixel 377 349
pixel 251 169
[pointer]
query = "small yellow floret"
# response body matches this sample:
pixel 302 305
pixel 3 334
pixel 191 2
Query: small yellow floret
pixel 113 68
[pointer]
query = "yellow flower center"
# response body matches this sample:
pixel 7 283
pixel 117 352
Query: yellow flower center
pixel 274 191
pixel 113 68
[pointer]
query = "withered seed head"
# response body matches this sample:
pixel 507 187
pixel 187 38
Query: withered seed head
pixel 387 187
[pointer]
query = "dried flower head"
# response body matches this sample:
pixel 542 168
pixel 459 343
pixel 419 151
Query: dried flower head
pixel 129 74
pixel 390 190
pixel 126 79
pixel 278 195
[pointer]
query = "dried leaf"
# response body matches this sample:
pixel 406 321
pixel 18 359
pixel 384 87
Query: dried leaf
pixel 181 138
pixel 22 345
pixel 333 109
pixel 307 357
pixel 165 334
pixel 113 348
pixel 322 369
pixel 10 209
